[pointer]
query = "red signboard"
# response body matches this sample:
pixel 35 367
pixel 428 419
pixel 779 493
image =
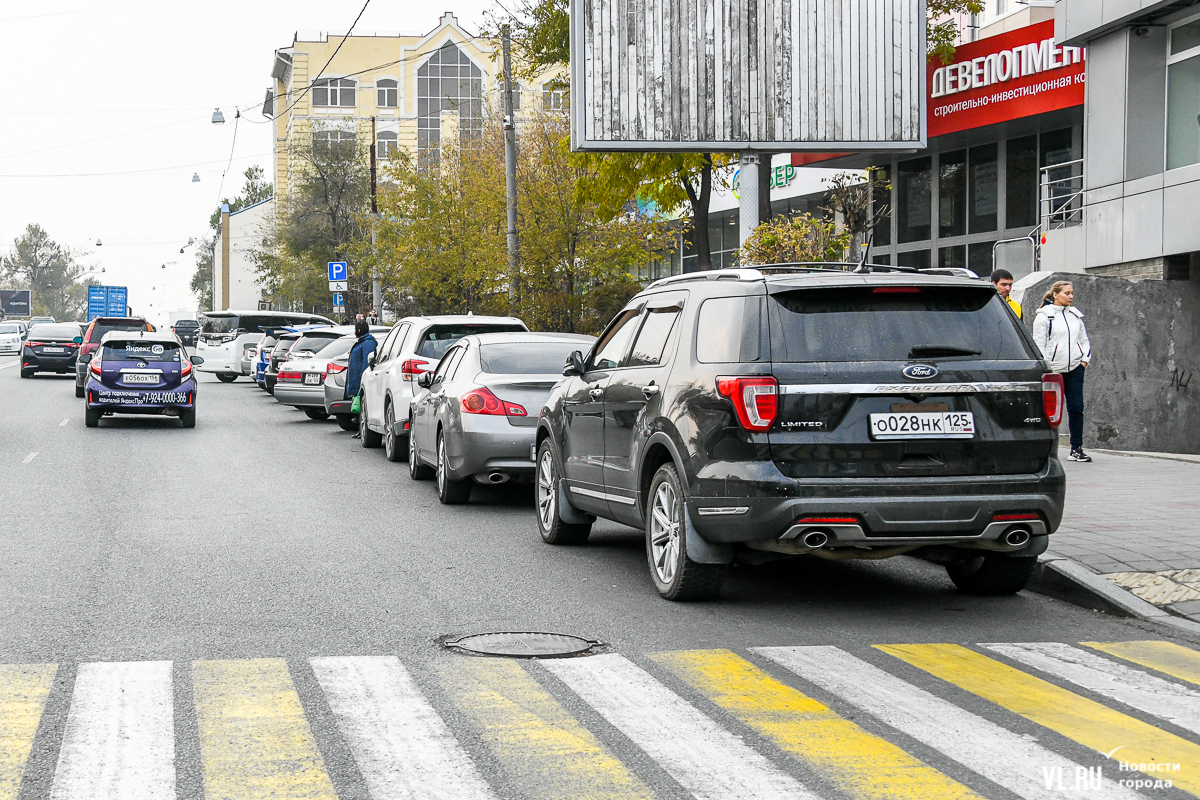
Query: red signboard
pixel 1012 75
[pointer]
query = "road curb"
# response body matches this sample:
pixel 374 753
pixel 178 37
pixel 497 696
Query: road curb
pixel 1064 579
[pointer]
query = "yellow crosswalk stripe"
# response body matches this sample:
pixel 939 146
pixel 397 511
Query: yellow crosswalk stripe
pixel 1166 657
pixel 860 763
pixel 23 692
pixel 1074 716
pixel 541 746
pixel 255 741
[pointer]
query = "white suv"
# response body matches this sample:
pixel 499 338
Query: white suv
pixel 413 346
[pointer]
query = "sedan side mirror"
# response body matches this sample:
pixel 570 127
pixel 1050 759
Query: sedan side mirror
pixel 574 365
pixel 197 361
pixel 425 380
pixel 371 359
pixel 78 340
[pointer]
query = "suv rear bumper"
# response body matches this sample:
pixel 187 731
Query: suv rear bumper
pixel 889 511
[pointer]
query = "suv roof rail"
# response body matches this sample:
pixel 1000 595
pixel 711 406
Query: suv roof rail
pixel 759 271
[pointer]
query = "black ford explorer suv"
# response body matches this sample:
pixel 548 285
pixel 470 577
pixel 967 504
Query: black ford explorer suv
pixel 752 414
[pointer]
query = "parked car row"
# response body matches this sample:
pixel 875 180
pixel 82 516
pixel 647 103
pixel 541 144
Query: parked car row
pixel 740 415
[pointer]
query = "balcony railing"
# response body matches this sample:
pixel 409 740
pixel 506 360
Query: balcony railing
pixel 1060 195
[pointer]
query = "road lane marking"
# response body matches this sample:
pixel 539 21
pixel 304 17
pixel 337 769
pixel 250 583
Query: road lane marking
pixel 707 760
pixel 541 746
pixel 1003 757
pixel 10 364
pixel 1074 716
pixel 120 734
pixel 254 738
pixel 1166 657
pixel 403 748
pixel 30 457
pixel 63 423
pixel 861 764
pixel 23 692
pixel 1150 693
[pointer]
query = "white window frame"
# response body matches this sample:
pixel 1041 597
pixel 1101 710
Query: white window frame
pixel 1172 59
pixel 338 86
pixel 382 93
pixel 386 143
pixel 556 95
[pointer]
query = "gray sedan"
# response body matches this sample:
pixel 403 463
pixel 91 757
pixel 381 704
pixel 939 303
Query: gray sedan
pixel 477 420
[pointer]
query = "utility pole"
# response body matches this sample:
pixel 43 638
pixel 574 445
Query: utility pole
pixel 376 287
pixel 510 175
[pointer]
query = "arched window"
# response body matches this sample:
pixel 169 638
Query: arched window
pixel 334 92
pixel 387 93
pixel 386 143
pixel 448 81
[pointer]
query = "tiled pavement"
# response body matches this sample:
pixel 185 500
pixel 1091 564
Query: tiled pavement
pixel 1136 520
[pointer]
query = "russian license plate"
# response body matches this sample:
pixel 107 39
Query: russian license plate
pixel 139 378
pixel 923 425
pixel 54 349
pixel 312 379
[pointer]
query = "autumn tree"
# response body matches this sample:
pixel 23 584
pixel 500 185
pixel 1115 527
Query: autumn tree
pixel 50 271
pixel 797 239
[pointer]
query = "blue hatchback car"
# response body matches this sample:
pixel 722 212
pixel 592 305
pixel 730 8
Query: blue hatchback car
pixel 141 372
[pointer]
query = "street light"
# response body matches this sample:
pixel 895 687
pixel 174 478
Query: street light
pixel 98 243
pixel 218 118
pixel 195 177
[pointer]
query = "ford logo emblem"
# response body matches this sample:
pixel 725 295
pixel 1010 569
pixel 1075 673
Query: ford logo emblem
pixel 920 372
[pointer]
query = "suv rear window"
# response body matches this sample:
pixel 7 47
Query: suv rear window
pixel 312 342
pixel 99 330
pixel 439 338
pixel 528 358
pixel 886 323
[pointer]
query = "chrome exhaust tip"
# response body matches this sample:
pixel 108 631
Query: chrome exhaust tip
pixel 1017 537
pixel 498 477
pixel 815 539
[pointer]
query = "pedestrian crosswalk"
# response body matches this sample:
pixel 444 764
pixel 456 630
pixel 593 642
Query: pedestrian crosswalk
pixel 797 722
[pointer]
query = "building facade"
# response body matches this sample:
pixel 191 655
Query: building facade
pixel 407 90
pixel 235 275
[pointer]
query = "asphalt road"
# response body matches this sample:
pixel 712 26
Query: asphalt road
pixel 263 535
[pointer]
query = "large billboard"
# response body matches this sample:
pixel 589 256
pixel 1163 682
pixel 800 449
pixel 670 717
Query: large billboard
pixel 15 302
pixel 736 75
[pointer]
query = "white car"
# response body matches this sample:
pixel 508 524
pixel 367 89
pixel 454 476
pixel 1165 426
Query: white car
pixel 301 379
pixel 12 336
pixel 414 346
pixel 227 339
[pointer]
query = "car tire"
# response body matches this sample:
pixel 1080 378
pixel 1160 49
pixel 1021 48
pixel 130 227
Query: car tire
pixel 675 575
pixel 393 449
pixel 451 492
pixel 226 377
pixel 79 390
pixel 91 417
pixel 367 437
pixel 347 422
pixel 315 413
pixel 545 494
pixel 187 417
pixel 416 470
pixel 992 574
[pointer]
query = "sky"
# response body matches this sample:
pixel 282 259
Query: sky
pixel 107 115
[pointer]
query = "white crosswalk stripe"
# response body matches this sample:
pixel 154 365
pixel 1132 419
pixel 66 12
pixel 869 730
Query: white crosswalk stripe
pixel 1023 767
pixel 703 757
pixel 402 746
pixel 119 740
pixel 1165 700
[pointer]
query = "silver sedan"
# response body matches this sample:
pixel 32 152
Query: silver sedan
pixel 476 421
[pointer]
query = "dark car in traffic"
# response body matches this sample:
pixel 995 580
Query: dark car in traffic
pixel 186 330
pixel 94 332
pixel 141 372
pixel 827 412
pixel 50 347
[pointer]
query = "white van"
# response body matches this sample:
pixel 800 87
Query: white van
pixel 227 339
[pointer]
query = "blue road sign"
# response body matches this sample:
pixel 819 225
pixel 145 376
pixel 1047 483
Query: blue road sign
pixel 338 271
pixel 338 302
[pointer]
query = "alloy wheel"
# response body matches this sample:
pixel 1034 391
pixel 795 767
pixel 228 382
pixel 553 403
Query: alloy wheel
pixel 664 532
pixel 441 464
pixel 545 490
pixel 389 437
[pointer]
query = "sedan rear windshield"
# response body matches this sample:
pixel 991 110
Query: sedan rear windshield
pixel 865 323
pixel 338 347
pixel 312 342
pixel 59 333
pixel 145 351
pixel 541 358
pixel 439 338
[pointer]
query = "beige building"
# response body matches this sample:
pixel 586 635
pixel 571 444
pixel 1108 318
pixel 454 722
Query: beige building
pixel 411 89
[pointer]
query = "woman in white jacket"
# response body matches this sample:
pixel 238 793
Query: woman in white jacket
pixel 1059 332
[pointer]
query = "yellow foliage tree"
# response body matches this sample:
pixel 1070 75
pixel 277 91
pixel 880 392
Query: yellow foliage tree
pixel 790 240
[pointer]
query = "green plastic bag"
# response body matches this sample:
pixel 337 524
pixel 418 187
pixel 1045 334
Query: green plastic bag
pixel 356 406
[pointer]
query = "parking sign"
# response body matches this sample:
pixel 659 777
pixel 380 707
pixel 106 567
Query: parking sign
pixel 338 301
pixel 338 271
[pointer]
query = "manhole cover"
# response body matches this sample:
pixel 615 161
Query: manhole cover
pixel 518 644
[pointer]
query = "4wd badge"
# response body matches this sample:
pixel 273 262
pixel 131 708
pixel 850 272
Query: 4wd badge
pixel 920 372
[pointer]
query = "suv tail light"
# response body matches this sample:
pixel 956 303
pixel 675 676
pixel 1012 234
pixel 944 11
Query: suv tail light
pixel 754 399
pixel 482 401
pixel 88 347
pixel 413 367
pixel 334 369
pixel 1053 398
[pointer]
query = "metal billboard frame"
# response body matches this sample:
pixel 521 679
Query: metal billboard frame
pixel 580 83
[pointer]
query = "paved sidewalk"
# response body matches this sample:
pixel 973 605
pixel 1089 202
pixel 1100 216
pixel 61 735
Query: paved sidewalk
pixel 1135 519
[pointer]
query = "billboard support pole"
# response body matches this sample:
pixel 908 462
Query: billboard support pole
pixel 510 175
pixel 747 195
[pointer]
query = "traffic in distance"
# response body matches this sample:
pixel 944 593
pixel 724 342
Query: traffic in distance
pixel 735 416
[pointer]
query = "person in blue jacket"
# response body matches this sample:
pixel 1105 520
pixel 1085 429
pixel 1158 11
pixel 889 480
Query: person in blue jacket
pixel 358 358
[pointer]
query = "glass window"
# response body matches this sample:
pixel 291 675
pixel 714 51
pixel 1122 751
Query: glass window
pixel 1021 183
pixel 334 92
pixel 1183 110
pixel 952 194
pixel 985 184
pixel 1185 37
pixel 979 258
pixel 955 256
pixel 884 260
pixel 446 364
pixel 652 338
pixel 861 324
pixel 918 259
pixel 387 93
pixel 397 345
pixel 613 342
pixel 312 342
pixel 727 330
pixel 383 352
pixel 338 347
pixel 10 328
pixel 439 338
pixel 881 197
pixel 556 96
pixel 526 358
pixel 448 81
pixel 160 352
pixel 386 143
pixel 53 331
pixel 329 140
pixel 913 199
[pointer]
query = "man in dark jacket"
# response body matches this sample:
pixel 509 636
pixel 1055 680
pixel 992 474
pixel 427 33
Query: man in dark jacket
pixel 358 358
